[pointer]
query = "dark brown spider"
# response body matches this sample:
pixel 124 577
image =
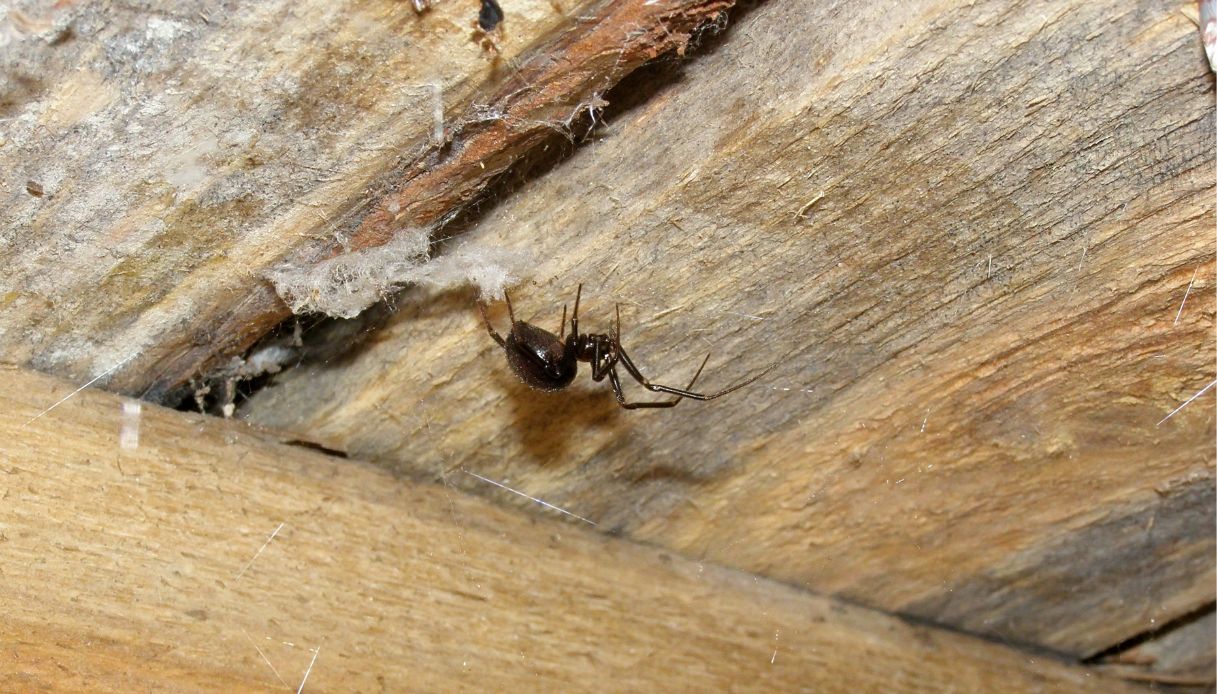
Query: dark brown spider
pixel 490 16
pixel 548 362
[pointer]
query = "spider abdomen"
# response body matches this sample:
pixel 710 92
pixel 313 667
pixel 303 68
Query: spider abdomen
pixel 539 357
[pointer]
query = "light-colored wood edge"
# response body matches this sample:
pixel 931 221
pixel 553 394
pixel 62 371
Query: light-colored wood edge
pixel 151 549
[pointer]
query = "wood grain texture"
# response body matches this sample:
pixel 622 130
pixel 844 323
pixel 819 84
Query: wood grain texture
pixel 204 555
pixel 967 234
pixel 181 153
pixel 1182 656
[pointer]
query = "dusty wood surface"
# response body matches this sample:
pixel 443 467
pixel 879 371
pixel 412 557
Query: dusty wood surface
pixel 154 549
pixel 175 156
pixel 968 233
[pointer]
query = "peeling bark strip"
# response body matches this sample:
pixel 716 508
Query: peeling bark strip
pixel 549 88
pixel 557 82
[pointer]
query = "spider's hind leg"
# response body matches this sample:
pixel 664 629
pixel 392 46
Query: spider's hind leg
pixel 490 328
pixel 510 311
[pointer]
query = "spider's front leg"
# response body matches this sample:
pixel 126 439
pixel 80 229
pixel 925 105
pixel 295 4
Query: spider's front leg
pixel 604 357
pixel 649 403
pixel 684 392
pixel 606 350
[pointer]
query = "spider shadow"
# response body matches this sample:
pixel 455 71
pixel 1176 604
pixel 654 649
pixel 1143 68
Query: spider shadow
pixel 550 425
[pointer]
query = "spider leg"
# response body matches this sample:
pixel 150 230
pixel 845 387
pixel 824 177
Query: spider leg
pixel 562 325
pixel 617 328
pixel 489 328
pixel 683 392
pixel 510 311
pixel 634 405
pixel 601 363
pixel 617 334
pixel 574 319
pixel 659 403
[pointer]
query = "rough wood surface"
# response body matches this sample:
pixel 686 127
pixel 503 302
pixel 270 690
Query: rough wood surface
pixel 177 155
pixel 979 239
pixel 1184 656
pixel 154 550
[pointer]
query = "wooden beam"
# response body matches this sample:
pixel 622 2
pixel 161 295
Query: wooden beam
pixel 978 242
pixel 181 153
pixel 181 157
pixel 1181 655
pixel 150 549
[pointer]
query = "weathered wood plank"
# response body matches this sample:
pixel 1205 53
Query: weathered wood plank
pixel 968 234
pixel 199 554
pixel 182 153
pixel 1184 656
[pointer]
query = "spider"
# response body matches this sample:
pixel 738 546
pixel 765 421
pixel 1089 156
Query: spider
pixel 549 362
